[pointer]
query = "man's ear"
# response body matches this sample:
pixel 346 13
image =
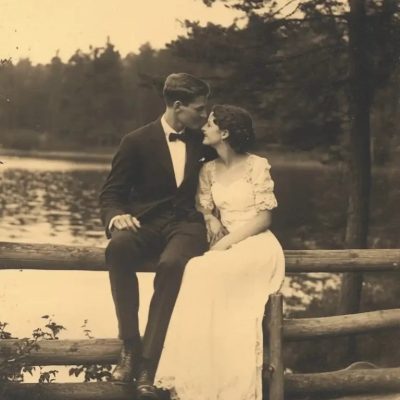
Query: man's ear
pixel 177 105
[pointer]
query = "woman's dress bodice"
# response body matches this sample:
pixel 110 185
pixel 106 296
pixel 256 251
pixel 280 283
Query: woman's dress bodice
pixel 239 201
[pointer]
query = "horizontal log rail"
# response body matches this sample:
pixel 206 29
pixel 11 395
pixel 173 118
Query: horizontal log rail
pixel 61 257
pixel 367 382
pixel 344 382
pixel 307 328
pixel 337 383
pixel 67 391
pixel 106 351
pixel 380 396
pixel 65 352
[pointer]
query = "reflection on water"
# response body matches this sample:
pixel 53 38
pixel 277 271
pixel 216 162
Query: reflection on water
pixel 39 164
pixel 56 202
pixel 51 201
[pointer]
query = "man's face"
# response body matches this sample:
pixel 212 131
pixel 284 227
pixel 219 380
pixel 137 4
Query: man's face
pixel 194 114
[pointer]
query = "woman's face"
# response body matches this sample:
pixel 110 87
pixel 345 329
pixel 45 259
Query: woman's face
pixel 212 133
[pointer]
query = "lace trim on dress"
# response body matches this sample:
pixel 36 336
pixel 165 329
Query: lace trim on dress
pixel 204 195
pixel 211 171
pixel 167 383
pixel 264 197
pixel 256 173
pixel 190 392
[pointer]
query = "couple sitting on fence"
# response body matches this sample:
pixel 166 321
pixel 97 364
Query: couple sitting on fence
pixel 185 189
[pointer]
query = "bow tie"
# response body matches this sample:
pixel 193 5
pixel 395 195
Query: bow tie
pixel 172 137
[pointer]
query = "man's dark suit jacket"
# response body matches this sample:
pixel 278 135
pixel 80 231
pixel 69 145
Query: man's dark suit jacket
pixel 142 177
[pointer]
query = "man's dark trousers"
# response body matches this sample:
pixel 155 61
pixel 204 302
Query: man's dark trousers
pixel 174 239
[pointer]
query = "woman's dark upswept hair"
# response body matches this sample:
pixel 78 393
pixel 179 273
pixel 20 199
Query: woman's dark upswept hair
pixel 237 121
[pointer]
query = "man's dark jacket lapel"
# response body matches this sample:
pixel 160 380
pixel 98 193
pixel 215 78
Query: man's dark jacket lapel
pixel 142 176
pixel 160 154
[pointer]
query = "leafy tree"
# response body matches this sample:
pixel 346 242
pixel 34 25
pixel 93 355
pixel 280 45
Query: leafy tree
pixel 354 46
pixel 295 95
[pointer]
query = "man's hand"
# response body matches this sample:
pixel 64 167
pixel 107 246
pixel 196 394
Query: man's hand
pixel 215 229
pixel 126 221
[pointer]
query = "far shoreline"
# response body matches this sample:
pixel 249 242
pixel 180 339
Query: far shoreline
pixel 79 156
pixel 277 156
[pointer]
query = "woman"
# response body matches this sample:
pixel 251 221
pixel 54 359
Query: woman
pixel 213 349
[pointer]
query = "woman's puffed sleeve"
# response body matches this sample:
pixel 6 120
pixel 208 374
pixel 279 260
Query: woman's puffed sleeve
pixel 204 200
pixel 263 184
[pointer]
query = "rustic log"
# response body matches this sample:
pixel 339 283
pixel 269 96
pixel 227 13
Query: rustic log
pixel 67 391
pixel 307 328
pixel 340 383
pixel 68 352
pixel 344 382
pixel 381 396
pixel 61 257
pixel 275 367
pixel 351 260
pixel 65 352
pixel 53 257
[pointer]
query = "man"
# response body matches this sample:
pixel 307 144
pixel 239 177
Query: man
pixel 147 207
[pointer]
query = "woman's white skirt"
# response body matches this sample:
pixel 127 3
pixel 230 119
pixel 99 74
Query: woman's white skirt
pixel 214 345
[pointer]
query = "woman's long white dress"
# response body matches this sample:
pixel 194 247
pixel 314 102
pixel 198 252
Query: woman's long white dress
pixel 214 344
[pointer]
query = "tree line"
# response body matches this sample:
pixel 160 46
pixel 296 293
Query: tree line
pixel 291 73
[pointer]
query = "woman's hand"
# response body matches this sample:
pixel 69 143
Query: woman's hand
pixel 221 245
pixel 215 229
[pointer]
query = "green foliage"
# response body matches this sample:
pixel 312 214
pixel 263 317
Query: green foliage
pixel 295 95
pixel 53 329
pixel 90 101
pixel 91 372
pixel 13 363
pixel 294 69
pixel 48 376
pixel 3 333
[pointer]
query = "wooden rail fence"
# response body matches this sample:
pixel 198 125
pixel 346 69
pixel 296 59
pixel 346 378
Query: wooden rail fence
pixel 351 384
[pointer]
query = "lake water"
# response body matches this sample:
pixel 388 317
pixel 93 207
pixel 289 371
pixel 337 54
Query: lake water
pixel 48 201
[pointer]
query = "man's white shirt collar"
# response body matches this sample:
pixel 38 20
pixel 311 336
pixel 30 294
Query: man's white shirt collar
pixel 166 126
pixel 177 151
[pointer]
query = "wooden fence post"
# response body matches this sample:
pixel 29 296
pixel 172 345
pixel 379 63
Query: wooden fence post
pixel 275 327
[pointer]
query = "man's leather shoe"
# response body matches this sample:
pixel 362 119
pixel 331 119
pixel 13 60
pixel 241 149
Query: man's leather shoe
pixel 124 371
pixel 145 390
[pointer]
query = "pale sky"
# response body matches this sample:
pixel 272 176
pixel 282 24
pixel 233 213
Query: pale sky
pixel 37 28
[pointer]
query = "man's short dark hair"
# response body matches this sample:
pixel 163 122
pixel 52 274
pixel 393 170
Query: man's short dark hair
pixel 184 88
